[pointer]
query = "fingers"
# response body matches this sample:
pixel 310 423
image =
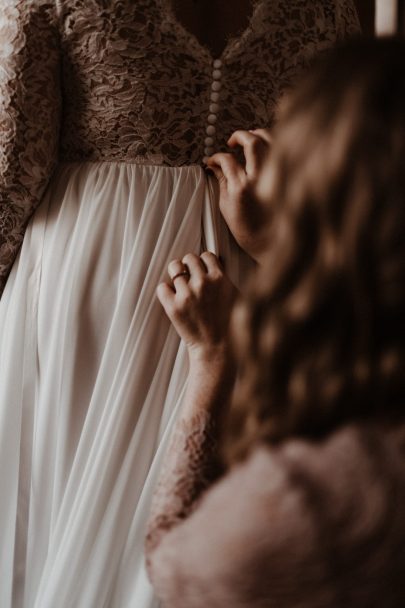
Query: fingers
pixel 230 174
pixel 177 268
pixel 227 164
pixel 195 267
pixel 241 138
pixel 188 274
pixel 179 275
pixel 212 264
pixel 217 171
pixel 238 137
pixel 202 268
pixel 166 295
pixel 199 313
pixel 256 145
pixel 255 148
pixel 265 134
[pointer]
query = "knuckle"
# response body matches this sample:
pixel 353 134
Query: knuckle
pixel 174 264
pixel 161 291
pixel 217 276
pixel 250 183
pixel 208 255
pixel 265 134
pixel 189 257
pixel 260 132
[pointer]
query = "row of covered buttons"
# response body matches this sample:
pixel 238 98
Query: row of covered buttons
pixel 214 109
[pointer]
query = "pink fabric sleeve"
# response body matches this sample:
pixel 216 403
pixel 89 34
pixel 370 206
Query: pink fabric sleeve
pixel 308 524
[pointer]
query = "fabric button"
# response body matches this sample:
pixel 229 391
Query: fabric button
pixel 213 109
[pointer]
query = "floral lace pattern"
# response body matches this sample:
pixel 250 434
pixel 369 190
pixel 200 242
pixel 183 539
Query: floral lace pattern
pixel 135 86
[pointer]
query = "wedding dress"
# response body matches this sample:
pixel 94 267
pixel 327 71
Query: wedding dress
pixel 107 108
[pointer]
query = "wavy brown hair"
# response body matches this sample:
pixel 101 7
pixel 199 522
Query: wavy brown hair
pixel 322 331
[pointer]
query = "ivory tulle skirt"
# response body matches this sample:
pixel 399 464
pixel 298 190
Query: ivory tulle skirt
pixel 91 379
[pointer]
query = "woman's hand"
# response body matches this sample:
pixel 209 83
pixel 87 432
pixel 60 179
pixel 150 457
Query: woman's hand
pixel 239 188
pixel 198 301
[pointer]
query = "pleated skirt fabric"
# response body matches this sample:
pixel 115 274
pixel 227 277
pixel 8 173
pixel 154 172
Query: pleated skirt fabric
pixel 92 377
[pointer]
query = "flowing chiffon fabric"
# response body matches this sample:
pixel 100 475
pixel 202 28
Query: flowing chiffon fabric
pixel 91 378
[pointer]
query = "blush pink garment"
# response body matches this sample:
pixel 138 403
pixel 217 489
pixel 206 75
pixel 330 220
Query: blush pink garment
pixel 302 525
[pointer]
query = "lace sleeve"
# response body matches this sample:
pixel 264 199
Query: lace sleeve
pixel 191 466
pixel 347 19
pixel 29 115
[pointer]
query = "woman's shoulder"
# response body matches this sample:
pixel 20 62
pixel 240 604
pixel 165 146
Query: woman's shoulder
pixel 363 452
pixel 317 513
pixel 348 461
pixel 340 488
pixel 355 474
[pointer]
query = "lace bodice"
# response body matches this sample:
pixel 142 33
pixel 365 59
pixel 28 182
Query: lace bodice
pixel 123 80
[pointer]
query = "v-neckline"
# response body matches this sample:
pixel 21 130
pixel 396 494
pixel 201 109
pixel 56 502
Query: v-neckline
pixel 234 40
